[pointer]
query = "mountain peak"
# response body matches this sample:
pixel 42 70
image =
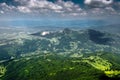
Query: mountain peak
pixel 67 31
pixel 98 37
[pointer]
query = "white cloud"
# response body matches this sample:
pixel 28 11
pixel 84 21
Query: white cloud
pixel 87 1
pixel 110 9
pixel 107 2
pixel 102 7
pixel 2 12
pixel 65 8
pixel 44 7
pixel 68 4
pixel 23 9
pixel 98 3
pixel 5 7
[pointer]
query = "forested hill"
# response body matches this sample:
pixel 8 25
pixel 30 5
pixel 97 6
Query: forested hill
pixel 66 42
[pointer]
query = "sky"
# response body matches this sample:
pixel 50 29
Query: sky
pixel 12 10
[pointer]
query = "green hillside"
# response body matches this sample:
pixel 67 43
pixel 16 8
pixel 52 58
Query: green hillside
pixel 64 42
pixel 55 67
pixel 62 55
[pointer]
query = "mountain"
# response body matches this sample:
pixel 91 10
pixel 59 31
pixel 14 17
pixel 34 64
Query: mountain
pixel 114 29
pixel 61 55
pixel 65 42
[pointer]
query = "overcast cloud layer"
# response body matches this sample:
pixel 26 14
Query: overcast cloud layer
pixel 60 8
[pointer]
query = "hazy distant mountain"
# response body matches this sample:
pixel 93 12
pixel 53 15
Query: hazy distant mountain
pixel 113 29
pixel 64 42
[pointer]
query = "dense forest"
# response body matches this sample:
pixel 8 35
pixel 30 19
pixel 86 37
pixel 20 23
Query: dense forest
pixel 94 66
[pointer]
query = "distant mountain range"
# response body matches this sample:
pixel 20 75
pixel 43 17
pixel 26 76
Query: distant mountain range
pixel 113 29
pixel 65 42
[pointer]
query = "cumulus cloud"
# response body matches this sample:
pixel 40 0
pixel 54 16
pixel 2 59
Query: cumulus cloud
pixel 42 7
pixel 88 1
pixel 102 7
pixel 4 8
pixel 107 2
pixel 59 8
pixel 98 3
